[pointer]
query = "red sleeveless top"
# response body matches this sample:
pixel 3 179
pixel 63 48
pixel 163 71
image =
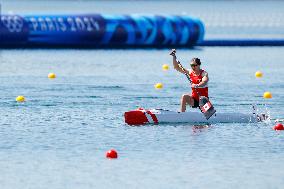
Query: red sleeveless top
pixel 201 91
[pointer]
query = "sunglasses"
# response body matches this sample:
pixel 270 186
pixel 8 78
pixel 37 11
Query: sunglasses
pixel 193 65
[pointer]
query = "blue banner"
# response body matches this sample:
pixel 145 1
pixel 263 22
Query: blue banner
pixel 95 30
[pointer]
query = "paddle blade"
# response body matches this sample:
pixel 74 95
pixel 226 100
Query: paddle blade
pixel 206 107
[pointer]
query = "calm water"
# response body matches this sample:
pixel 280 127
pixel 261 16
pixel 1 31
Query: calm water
pixel 57 139
pixel 59 136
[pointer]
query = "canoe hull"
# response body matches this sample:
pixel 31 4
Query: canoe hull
pixel 142 116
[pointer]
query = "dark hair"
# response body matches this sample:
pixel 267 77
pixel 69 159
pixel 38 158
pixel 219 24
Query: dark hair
pixel 196 60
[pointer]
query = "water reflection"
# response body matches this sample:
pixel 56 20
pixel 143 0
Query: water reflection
pixel 200 128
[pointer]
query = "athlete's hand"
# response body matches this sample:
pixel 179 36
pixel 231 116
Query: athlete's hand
pixel 173 52
pixel 194 86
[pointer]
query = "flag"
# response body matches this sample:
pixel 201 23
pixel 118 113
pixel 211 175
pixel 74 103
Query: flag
pixel 206 107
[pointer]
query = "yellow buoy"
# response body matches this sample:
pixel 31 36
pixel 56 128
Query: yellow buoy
pixel 20 99
pixel 165 67
pixel 159 86
pixel 267 95
pixel 258 74
pixel 51 75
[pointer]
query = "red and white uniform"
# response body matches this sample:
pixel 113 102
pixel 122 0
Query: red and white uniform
pixel 200 91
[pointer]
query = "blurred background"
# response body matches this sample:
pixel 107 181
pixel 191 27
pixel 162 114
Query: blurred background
pixel 222 19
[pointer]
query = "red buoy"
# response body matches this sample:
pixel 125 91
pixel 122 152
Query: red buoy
pixel 111 154
pixel 278 127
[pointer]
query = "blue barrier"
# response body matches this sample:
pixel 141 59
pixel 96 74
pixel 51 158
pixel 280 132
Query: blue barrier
pixel 100 31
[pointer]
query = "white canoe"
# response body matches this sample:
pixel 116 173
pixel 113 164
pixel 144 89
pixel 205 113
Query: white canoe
pixel 142 116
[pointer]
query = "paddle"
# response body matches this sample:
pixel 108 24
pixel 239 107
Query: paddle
pixel 205 105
